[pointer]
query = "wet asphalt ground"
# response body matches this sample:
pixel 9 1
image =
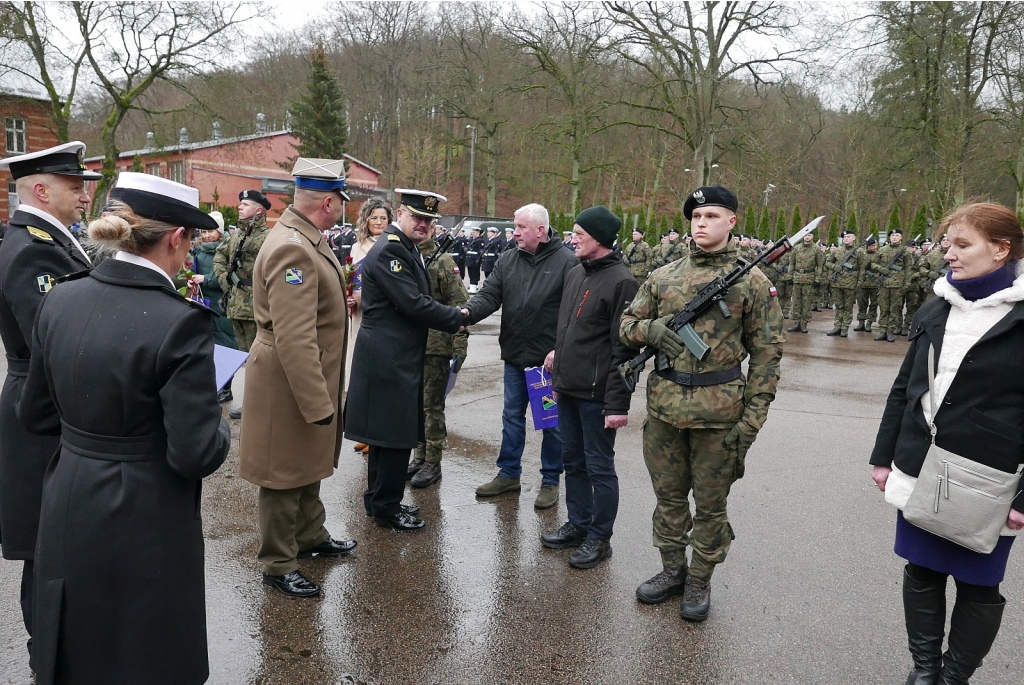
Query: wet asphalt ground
pixel 810 592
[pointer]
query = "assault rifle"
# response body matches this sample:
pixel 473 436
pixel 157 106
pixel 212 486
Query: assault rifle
pixel 708 296
pixel 845 264
pixel 444 244
pixel 892 266
pixel 234 265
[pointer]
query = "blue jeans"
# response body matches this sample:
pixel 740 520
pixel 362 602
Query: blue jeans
pixel 588 450
pixel 513 432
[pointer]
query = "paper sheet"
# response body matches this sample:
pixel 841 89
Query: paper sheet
pixel 227 361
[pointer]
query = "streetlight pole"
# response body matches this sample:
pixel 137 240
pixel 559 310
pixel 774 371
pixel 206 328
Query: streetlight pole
pixel 472 164
pixel 768 193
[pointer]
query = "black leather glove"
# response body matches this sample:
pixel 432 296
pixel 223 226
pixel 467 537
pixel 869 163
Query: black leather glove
pixel 325 422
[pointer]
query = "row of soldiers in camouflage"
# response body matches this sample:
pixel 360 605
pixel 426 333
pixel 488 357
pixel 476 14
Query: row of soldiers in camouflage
pixel 887 283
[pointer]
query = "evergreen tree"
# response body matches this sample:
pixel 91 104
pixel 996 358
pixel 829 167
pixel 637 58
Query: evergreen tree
pixel 137 164
pixel 764 230
pixel 677 222
pixel 919 227
pixel 780 225
pixel 749 221
pixel 318 117
pixel 894 219
pixel 796 223
pixel 833 230
pixel 873 228
pixel 851 224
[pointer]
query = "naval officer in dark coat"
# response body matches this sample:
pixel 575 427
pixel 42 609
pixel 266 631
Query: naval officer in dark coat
pixel 37 249
pixel 384 407
pixel 122 369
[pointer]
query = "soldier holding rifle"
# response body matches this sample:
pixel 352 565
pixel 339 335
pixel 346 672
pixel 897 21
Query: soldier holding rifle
pixel 842 265
pixel 703 415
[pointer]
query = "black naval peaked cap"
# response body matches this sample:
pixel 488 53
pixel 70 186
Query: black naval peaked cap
pixel 710 196
pixel 421 202
pixel 65 160
pixel 255 196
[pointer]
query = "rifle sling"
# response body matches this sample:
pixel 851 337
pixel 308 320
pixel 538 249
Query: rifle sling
pixel 695 380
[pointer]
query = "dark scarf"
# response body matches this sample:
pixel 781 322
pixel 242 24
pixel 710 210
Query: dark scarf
pixel 979 288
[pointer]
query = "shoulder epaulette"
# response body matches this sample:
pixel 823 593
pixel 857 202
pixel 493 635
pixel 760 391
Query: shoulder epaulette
pixel 75 276
pixel 394 238
pixel 39 234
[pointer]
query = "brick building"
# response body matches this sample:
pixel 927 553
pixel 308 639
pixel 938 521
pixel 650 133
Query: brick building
pixel 220 168
pixel 24 111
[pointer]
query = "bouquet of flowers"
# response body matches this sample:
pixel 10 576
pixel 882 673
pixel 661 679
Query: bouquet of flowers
pixel 351 272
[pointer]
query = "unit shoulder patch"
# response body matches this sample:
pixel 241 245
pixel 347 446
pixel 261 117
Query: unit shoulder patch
pixel 40 234
pixel 396 266
pixel 45 283
pixel 293 276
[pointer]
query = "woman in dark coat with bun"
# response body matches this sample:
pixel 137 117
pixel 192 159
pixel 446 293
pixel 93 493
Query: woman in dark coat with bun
pixel 976 325
pixel 122 369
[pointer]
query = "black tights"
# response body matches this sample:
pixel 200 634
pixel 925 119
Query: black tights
pixel 976 594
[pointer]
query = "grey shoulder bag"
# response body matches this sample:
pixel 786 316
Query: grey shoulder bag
pixel 956 498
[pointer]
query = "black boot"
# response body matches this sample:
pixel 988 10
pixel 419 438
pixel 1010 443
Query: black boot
pixel 924 606
pixel 795 328
pixel 834 332
pixel 881 334
pixel 972 630
pixel 803 327
pixel 859 327
pixel 867 326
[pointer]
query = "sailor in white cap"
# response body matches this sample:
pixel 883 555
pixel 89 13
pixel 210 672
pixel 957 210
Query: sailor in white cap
pixel 292 426
pixel 37 250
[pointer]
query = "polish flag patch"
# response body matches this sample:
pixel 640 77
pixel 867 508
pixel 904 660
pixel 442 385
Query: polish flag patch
pixel 772 291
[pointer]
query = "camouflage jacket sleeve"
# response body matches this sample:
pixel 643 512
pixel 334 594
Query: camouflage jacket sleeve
pixel 763 337
pixel 453 293
pixel 819 268
pixel 220 262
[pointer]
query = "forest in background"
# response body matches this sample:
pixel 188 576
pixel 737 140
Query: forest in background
pixel 872 113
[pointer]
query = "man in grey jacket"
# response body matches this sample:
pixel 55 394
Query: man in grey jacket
pixel 527 285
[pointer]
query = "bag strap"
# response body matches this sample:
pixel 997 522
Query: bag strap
pixel 931 391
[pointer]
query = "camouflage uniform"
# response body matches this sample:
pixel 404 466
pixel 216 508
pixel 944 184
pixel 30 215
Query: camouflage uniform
pixel 912 293
pixel 867 287
pixel 932 268
pixel 446 287
pixel 638 258
pixel 239 293
pixel 686 425
pixel 778 273
pixel 890 290
pixel 805 266
pixel 671 252
pixel 843 277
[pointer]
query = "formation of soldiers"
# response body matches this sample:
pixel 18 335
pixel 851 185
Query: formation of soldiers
pixel 887 284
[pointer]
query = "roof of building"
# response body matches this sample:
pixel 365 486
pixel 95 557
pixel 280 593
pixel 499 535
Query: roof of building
pixel 24 80
pixel 179 147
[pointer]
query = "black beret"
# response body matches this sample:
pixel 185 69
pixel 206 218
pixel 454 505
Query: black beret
pixel 710 196
pixel 846 233
pixel 895 230
pixel 870 240
pixel 255 196
pixel 600 223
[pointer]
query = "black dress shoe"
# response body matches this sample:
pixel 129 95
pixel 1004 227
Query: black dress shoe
pixel 428 475
pixel 410 509
pixel 590 553
pixel 569 535
pixel 235 413
pixel 224 396
pixel 414 466
pixel 293 584
pixel 696 599
pixel 401 522
pixel 329 548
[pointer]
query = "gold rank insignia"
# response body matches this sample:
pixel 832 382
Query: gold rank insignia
pixel 394 238
pixel 396 266
pixel 39 233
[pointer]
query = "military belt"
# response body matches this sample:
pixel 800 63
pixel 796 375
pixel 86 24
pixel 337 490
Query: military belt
pixel 700 380
pixel 805 271
pixel 113 447
pixel 245 281
pixel 17 367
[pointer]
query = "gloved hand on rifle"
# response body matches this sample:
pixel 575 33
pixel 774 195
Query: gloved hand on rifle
pixel 663 338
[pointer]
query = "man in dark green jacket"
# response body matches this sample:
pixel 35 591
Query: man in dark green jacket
pixel 527 285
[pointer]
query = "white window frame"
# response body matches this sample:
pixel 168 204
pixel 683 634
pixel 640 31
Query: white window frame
pixel 12 196
pixel 16 134
pixel 177 171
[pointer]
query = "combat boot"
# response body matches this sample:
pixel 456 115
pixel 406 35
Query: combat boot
pixel 867 326
pixel 889 337
pixel 898 331
pixel 429 474
pixel 924 607
pixel 803 327
pixel 859 327
pixel 843 334
pixel 815 308
pixel 662 586
pixel 418 460
pixel 795 328
pixel 834 332
pixel 696 599
pixel 881 334
pixel 972 630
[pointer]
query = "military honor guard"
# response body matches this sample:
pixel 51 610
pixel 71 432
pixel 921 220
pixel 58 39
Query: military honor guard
pixel 637 256
pixel 492 250
pixel 867 284
pixel 806 262
pixel 122 373
pixel 36 251
pixel 894 264
pixel 384 405
pixel 841 266
pixel 233 265
pixel 292 429
pixel 702 415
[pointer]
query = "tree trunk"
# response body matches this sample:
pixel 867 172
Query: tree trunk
pixel 657 182
pixel 1020 178
pixel 611 191
pixel 492 177
pixel 574 182
pixel 110 154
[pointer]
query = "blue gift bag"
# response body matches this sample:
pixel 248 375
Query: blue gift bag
pixel 542 398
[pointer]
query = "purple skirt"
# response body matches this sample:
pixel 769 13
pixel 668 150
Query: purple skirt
pixel 920 547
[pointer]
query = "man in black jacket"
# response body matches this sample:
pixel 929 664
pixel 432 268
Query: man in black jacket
pixel 37 250
pixel 593 401
pixel 527 284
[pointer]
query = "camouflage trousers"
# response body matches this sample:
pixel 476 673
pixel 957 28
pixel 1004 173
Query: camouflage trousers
pixel 803 300
pixel 867 302
pixel 784 289
pixel 435 380
pixel 890 308
pixel 913 300
pixel 245 333
pixel 844 299
pixel 681 460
